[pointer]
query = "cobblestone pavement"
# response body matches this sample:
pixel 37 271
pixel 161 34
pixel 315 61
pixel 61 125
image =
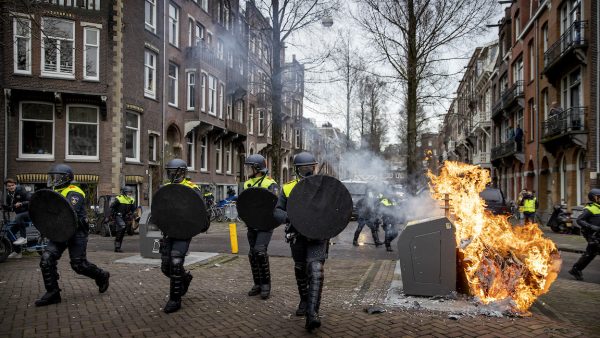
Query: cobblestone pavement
pixel 217 305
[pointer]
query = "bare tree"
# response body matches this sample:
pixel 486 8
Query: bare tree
pixel 412 36
pixel 287 17
pixel 371 96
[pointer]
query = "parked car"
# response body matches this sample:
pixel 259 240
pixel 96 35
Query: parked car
pixel 495 202
pixel 357 190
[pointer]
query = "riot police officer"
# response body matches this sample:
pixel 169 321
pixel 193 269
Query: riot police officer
pixel 387 215
pixel 589 221
pixel 256 169
pixel 366 216
pixel 173 250
pixel 309 255
pixel 60 177
pixel 122 209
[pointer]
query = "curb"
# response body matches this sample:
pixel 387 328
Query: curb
pixel 579 251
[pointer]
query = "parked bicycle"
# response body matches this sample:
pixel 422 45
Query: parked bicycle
pixel 35 241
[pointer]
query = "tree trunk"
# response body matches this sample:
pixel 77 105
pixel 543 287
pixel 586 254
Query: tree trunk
pixel 411 109
pixel 276 89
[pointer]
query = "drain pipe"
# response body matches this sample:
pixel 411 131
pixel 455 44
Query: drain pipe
pixel 597 94
pixel 6 91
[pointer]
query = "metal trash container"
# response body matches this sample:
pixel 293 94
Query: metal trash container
pixel 150 237
pixel 427 250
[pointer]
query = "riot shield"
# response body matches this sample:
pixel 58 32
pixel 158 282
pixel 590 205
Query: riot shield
pixel 255 207
pixel 319 207
pixel 179 212
pixel 52 215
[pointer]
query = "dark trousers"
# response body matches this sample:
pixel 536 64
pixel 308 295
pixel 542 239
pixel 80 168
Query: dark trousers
pixel 591 251
pixel 20 227
pixel 77 246
pixel 529 217
pixel 172 252
pixel 259 240
pixel 120 230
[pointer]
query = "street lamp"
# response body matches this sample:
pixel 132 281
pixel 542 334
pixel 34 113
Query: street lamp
pixel 327 20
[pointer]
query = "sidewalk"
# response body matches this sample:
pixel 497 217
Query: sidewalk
pixel 217 306
pixel 568 243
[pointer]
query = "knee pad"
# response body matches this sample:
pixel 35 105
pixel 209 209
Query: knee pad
pixel 176 263
pixel 48 260
pixel 80 265
pixel 165 265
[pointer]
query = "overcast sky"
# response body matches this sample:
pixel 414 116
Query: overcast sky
pixel 325 102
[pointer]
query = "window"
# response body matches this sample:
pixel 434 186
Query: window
pixel 571 90
pixel 531 62
pixel 199 34
pixel 297 138
pixel 240 111
pixel 22 46
pixel 212 95
pixel 173 84
pixel 91 54
pixel 82 132
pixel 220 52
pixel 226 17
pixel 220 12
pixel 261 122
pixel 36 127
pixel 241 65
pixel 204 5
pixel 518 70
pixel 191 90
pixel 219 157
pixel 173 25
pixel 531 122
pixel 149 74
pixel 203 94
pixel 191 150
pixel 251 121
pixel 517 26
pixel 150 15
pixel 152 148
pixel 221 101
pixel 545 37
pixel 58 47
pixel 191 28
pixel 229 157
pixel 132 137
pixel 545 102
pixel 229 112
pixel 204 154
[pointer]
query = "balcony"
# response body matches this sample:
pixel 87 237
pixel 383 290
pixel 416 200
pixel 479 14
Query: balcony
pixel 497 109
pixel 510 96
pixel 506 149
pixel 567 50
pixel 236 127
pixel 482 120
pixel 565 128
pixel 206 55
pixel 482 158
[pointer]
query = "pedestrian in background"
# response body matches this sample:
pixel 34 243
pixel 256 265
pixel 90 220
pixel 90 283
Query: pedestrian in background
pixel 17 201
pixel 530 205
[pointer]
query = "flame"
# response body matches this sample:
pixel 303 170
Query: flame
pixel 500 261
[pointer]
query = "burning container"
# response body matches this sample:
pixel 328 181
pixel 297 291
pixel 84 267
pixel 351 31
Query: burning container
pixel 427 250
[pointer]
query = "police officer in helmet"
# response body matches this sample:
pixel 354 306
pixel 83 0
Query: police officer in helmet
pixel 60 177
pixel 256 170
pixel 589 221
pixel 309 255
pixel 173 250
pixel 122 209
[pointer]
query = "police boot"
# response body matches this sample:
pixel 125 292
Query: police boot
pixel 103 281
pixel 375 234
pixel 50 277
pixel 255 277
pixel 302 281
pixel 388 247
pixel 177 286
pixel 119 240
pixel 187 280
pixel 315 288
pixel 355 241
pixel 264 273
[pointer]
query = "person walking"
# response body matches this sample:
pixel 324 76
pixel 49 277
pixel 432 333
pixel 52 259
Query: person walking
pixel 589 221
pixel 17 201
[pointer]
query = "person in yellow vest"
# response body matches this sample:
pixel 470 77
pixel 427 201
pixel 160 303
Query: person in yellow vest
pixel 530 205
pixel 589 221
pixel 60 177
pixel 173 250
pixel 309 255
pixel 387 214
pixel 256 170
pixel 122 209
pixel 520 203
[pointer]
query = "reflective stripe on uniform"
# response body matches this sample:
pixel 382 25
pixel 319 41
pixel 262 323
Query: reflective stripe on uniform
pixel 287 188
pixel 124 199
pixel 259 182
pixel 593 208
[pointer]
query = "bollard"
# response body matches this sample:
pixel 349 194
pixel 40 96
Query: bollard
pixel 233 237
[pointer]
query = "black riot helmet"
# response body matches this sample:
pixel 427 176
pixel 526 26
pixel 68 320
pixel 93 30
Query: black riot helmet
pixel 305 164
pixel 59 176
pixel 593 193
pixel 176 170
pixel 258 163
pixel 127 190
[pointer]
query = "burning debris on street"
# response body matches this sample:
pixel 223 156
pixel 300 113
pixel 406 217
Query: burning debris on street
pixel 502 264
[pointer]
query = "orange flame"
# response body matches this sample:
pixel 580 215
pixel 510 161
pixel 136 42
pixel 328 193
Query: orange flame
pixel 501 261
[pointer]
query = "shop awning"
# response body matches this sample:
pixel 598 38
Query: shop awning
pixel 134 179
pixel 43 178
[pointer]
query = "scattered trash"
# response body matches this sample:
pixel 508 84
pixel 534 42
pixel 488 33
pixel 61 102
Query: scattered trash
pixel 374 309
pixel 455 316
pixel 217 264
pixel 416 305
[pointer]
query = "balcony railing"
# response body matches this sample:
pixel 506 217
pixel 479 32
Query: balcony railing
pixel 497 108
pixel 575 36
pixel 235 126
pixel 206 55
pixel 482 119
pixel 570 120
pixel 503 150
pixel 512 93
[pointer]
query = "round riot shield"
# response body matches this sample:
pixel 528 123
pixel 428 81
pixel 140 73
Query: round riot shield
pixel 52 215
pixel 255 207
pixel 179 211
pixel 319 207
